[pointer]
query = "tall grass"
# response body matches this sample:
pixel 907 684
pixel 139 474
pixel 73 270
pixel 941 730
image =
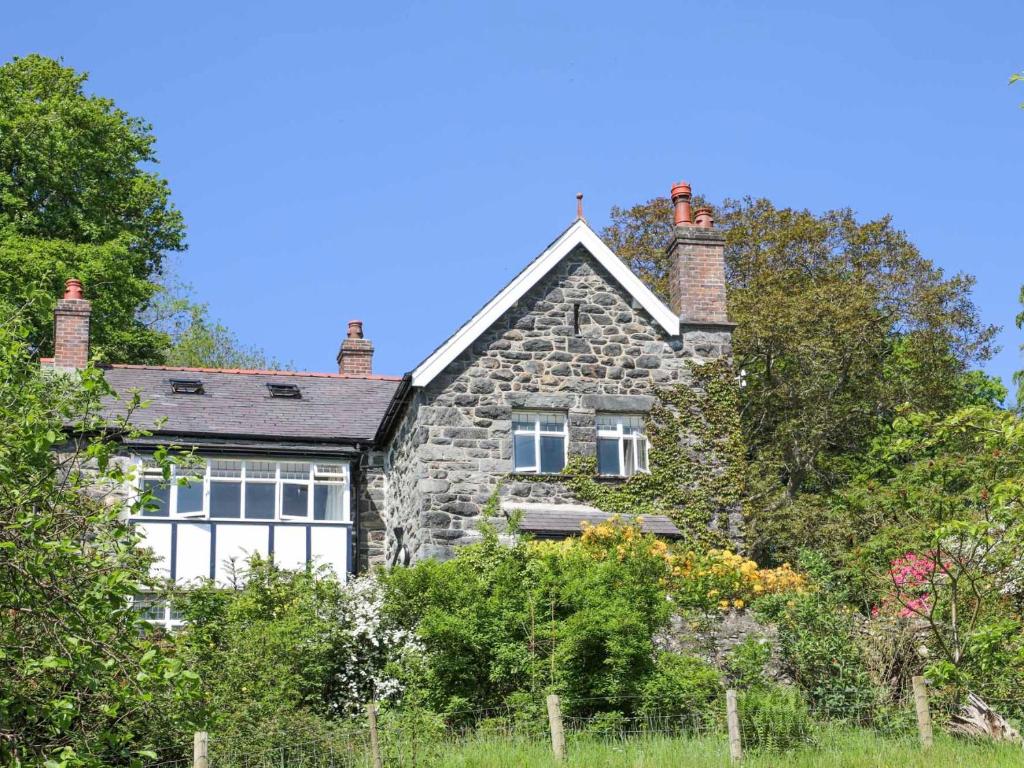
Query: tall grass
pixel 847 748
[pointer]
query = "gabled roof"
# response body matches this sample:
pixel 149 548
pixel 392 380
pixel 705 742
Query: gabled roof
pixel 236 404
pixel 578 234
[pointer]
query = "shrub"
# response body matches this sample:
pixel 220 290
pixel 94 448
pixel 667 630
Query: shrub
pixel 722 579
pixel 685 690
pixel 290 651
pixel 745 664
pixel 575 616
pixel 774 718
pixel 607 725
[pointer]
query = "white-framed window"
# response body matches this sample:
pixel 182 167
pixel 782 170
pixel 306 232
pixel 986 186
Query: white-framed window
pixel 249 489
pixel 539 441
pixel 621 445
pixel 157 610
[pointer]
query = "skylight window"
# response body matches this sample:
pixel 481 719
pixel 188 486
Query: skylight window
pixel 284 390
pixel 186 386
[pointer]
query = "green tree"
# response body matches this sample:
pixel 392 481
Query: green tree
pixel 83 681
pixel 939 517
pixel 78 199
pixel 840 322
pixel 1018 376
pixel 196 339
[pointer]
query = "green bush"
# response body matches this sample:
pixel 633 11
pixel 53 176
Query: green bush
pixel 774 718
pixel 607 725
pixel 744 664
pixel 821 651
pixel 684 691
pixel 498 622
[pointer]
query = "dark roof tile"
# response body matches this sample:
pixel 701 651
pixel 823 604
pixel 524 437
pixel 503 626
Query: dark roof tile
pixel 238 403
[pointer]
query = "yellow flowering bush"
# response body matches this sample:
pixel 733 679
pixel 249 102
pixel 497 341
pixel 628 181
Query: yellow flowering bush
pixel 719 578
pixel 715 578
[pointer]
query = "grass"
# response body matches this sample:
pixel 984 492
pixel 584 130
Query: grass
pixel 835 749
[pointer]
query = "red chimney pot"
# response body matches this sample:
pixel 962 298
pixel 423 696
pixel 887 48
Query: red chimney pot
pixel 704 218
pixel 355 329
pixel 73 289
pixel 681 193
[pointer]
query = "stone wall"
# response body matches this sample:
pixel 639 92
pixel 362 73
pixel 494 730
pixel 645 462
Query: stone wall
pixel 369 484
pixel 453 445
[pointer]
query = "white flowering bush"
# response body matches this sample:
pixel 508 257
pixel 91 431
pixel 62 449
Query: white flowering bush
pixel 371 651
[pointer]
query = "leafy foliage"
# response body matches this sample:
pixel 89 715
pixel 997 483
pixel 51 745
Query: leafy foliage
pixel 196 339
pixel 685 688
pixel 696 455
pixel 839 323
pixel 774 718
pixel 944 499
pixel 575 617
pixel 77 201
pixel 289 650
pixel 83 682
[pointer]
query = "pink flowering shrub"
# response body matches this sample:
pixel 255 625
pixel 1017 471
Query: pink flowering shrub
pixel 912 577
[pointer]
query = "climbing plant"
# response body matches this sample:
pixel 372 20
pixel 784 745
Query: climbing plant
pixel 696 457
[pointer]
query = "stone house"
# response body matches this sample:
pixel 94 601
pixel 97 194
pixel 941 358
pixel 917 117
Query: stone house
pixel 354 468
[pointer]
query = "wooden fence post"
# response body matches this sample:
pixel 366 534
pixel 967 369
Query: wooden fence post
pixel 555 721
pixel 924 718
pixel 732 718
pixel 200 750
pixel 371 715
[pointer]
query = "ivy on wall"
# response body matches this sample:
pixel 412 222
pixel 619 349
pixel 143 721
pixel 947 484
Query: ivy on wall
pixel 696 460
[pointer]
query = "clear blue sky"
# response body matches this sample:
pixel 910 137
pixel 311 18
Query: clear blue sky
pixel 399 162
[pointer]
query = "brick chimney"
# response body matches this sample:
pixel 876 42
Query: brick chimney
pixel 696 264
pixel 71 328
pixel 355 358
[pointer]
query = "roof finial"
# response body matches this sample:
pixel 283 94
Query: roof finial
pixel 579 207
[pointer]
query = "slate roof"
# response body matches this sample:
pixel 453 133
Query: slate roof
pixel 562 520
pixel 237 404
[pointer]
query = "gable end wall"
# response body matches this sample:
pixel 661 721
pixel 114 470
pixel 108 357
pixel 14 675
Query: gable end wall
pixel 453 445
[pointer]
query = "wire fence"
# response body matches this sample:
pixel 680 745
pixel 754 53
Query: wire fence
pixel 765 721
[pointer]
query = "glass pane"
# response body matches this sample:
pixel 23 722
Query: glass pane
pixel 329 502
pixel 295 500
pixel 226 500
pixel 294 470
pixel 330 469
pixel 190 497
pixel 552 454
pixel 608 457
pixel 149 607
pixel 607 422
pixel 259 501
pixel 159 504
pixel 641 454
pixel 552 422
pixel 176 614
pixel 525 452
pixel 225 468
pixel 629 457
pixel 522 421
pixel 265 470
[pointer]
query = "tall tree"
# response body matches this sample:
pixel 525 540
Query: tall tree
pixel 1018 376
pixel 78 198
pixel 197 339
pixel 83 680
pixel 839 323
